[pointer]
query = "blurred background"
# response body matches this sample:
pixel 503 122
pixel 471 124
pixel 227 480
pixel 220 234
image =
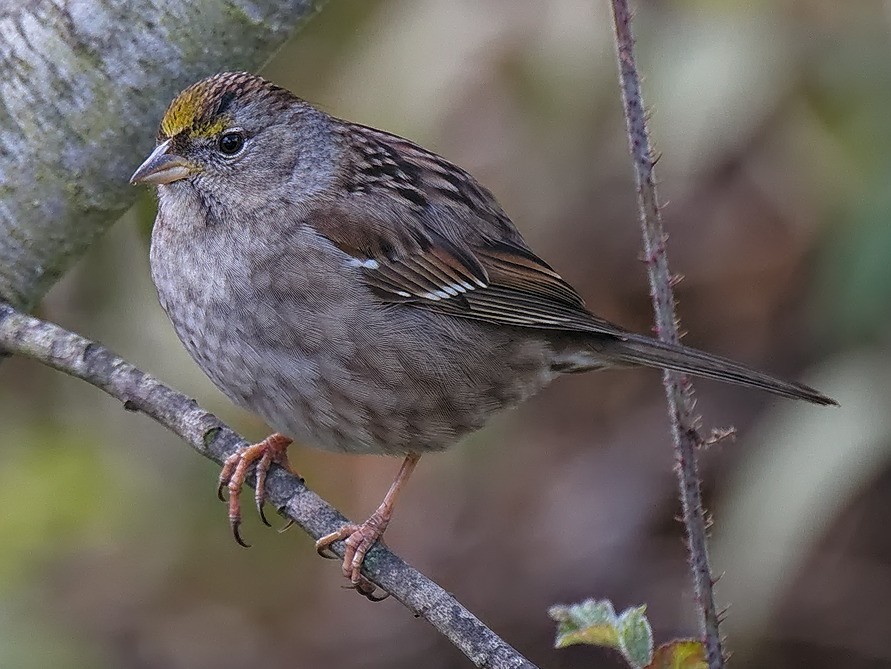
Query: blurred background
pixel 772 118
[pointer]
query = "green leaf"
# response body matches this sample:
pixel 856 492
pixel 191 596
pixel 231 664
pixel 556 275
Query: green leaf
pixel 591 622
pixel 636 636
pixel 679 654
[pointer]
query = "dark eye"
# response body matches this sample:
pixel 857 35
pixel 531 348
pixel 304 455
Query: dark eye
pixel 231 143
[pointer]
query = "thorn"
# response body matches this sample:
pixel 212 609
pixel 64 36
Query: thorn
pixel 720 434
pixel 675 279
pixel 722 614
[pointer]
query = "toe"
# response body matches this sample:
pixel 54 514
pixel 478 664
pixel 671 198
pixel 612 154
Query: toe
pixel 235 470
pixel 323 545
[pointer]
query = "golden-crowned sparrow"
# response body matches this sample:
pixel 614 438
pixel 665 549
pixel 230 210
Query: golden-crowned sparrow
pixel 359 292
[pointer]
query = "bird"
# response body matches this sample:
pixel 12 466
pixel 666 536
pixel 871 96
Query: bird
pixel 361 293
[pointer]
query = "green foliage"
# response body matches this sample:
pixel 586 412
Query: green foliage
pixel 679 654
pixel 591 622
pixel 636 636
pixel 596 623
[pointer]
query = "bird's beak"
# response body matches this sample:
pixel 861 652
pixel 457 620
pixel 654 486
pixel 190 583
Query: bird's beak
pixel 162 167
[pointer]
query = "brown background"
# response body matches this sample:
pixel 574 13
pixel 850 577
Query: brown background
pixel 772 118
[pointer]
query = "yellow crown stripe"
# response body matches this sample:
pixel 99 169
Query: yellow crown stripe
pixel 185 114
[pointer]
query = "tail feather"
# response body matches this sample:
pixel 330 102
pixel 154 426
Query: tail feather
pixel 639 350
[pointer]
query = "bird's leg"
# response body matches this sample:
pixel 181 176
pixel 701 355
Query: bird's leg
pixel 273 448
pixel 360 538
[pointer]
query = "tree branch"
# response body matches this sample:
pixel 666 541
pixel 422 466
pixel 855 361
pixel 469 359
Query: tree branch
pixel 678 389
pixel 70 353
pixel 83 87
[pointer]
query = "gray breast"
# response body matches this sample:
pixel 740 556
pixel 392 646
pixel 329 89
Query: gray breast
pixel 285 328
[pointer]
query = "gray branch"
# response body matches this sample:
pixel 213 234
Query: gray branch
pixel 70 353
pixel 678 389
pixel 84 84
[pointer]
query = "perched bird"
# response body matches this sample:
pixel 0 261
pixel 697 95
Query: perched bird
pixel 359 292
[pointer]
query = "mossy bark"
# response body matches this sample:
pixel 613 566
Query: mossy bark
pixel 84 85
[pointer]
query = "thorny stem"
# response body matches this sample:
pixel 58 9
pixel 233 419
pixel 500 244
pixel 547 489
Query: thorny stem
pixel 86 360
pixel 679 391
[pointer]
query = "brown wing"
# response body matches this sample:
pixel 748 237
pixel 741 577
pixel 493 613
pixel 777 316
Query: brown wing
pixel 430 236
pixel 514 288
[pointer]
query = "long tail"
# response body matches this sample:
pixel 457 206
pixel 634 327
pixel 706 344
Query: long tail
pixel 639 350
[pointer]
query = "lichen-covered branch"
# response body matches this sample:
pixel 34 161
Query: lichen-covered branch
pixel 70 353
pixel 679 391
pixel 84 85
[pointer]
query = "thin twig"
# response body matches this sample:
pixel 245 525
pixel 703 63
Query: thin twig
pixel 70 353
pixel 679 391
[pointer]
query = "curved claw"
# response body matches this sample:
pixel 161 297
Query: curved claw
pixel 371 597
pixel 235 524
pixel 287 526
pixel 368 590
pixel 327 553
pixel 359 539
pixel 261 503
pixel 235 470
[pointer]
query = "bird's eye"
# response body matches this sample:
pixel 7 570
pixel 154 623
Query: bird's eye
pixel 231 143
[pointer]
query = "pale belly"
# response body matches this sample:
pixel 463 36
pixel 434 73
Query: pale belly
pixel 329 366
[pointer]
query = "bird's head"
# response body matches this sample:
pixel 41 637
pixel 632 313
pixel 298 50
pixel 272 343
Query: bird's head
pixel 237 138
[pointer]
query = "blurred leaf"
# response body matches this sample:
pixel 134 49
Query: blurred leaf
pixel 848 88
pixel 28 642
pixel 858 276
pixel 595 623
pixel 735 70
pixel 636 636
pixel 591 622
pixel 52 493
pixel 803 466
pixel 679 654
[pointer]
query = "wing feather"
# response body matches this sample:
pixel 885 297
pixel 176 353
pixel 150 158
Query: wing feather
pixel 424 233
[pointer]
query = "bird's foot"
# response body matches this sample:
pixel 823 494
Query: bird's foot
pixel 358 540
pixel 273 448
